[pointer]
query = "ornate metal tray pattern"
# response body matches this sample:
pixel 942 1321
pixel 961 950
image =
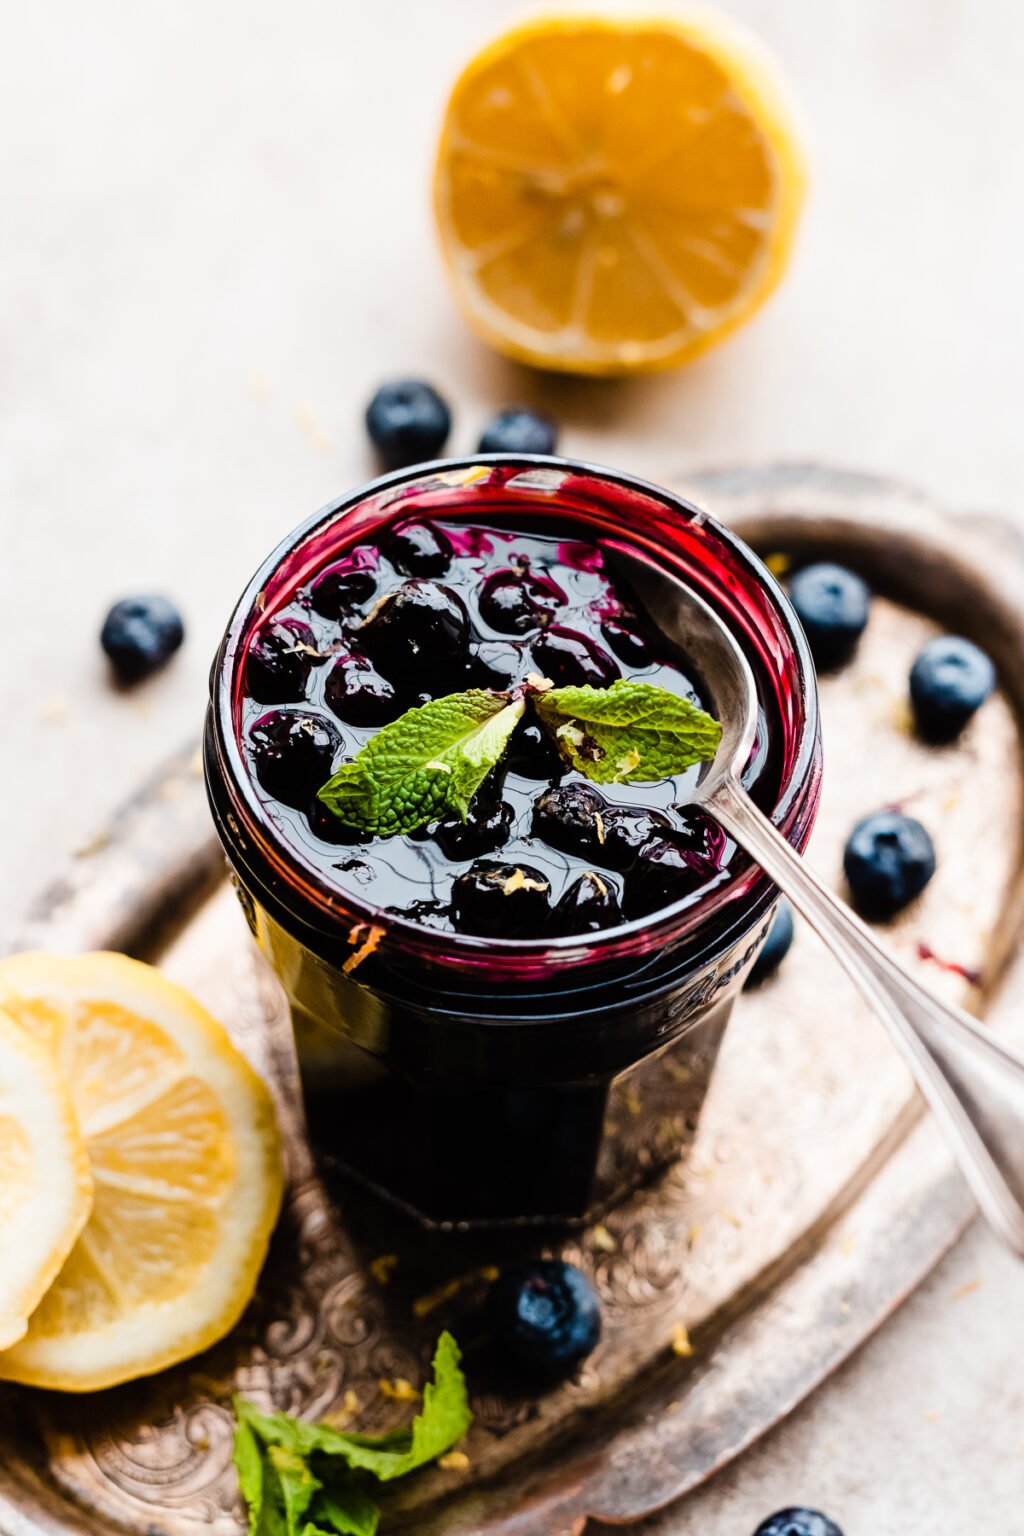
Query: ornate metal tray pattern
pixel 811 1202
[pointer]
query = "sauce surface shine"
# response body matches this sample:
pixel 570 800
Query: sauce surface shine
pixel 437 608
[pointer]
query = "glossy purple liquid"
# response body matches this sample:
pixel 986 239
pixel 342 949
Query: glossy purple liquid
pixel 557 585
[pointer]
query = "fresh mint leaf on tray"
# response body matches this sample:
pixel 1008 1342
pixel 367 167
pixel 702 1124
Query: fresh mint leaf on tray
pixel 302 1479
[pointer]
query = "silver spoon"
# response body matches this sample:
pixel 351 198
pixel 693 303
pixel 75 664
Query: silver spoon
pixel 971 1082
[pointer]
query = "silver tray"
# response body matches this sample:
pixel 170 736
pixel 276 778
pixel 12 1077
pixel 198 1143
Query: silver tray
pixel 812 1201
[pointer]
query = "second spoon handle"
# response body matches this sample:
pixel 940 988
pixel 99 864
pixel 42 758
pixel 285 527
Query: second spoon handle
pixel 972 1084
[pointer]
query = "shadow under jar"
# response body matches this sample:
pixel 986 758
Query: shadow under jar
pixel 474 1079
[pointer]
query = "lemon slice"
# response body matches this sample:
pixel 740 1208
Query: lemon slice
pixel 45 1185
pixel 186 1166
pixel 616 196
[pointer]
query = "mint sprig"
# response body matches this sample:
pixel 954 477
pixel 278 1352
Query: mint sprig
pixel 302 1479
pixel 630 733
pixel 432 760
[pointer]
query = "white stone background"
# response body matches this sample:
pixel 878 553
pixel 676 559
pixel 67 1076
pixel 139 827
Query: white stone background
pixel 215 240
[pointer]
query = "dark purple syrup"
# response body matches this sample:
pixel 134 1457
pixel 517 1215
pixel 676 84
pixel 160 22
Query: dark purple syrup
pixel 435 609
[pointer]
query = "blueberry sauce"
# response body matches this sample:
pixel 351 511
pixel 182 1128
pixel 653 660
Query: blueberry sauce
pixel 435 609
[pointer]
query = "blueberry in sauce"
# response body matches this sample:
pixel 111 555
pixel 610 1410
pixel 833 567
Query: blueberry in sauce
pixel 590 904
pixel 532 753
pixel 342 590
pixel 415 629
pixel 571 659
pixel 798 1521
pixel 628 829
pixel 519 430
pixel 628 643
pixel 497 664
pixel 417 549
pixel 331 829
pixel 357 694
pixel 518 602
pixel 141 634
pixel 949 682
pixel 543 1318
pixel 293 754
pixel 888 860
pixel 280 662
pixel 833 605
pixel 408 422
pixel 775 947
pixel 485 829
pixel 501 901
pixel 672 866
pixel 571 818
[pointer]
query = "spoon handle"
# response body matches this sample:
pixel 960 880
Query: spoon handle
pixel 972 1083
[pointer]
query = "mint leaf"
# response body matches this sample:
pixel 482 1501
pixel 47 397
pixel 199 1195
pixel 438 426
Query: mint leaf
pixel 429 761
pixel 343 1510
pixel 265 1517
pixel 297 1484
pixel 629 733
pixel 288 1469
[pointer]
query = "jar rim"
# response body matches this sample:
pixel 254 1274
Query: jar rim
pixel 341 917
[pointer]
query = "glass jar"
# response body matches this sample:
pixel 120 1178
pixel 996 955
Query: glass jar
pixel 509 1081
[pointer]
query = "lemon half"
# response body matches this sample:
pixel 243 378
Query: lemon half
pixel 617 195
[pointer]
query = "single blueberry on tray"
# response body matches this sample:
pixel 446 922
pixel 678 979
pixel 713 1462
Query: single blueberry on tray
pixel 543 1318
pixel 949 682
pixel 798 1522
pixel 889 859
pixel 519 430
pixel 775 947
pixel 140 634
pixel 408 422
pixel 832 604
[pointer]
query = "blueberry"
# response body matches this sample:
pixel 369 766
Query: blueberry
pixel 495 664
pixel 590 904
pixel 330 828
pixel 832 605
pixel 532 753
pixel 798 1522
pixel 342 589
pixel 673 866
pixel 519 430
pixel 949 682
pixel 569 658
pixel 415 629
pixel 626 830
pixel 889 859
pixel 407 422
pixel 293 754
pixel 501 900
pixel 357 694
pixel 280 661
pixel 485 829
pixel 519 602
pixel 775 947
pixel 571 817
pixel 417 549
pixel 505 606
pixel 629 645
pixel 140 634
pixel 543 1318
